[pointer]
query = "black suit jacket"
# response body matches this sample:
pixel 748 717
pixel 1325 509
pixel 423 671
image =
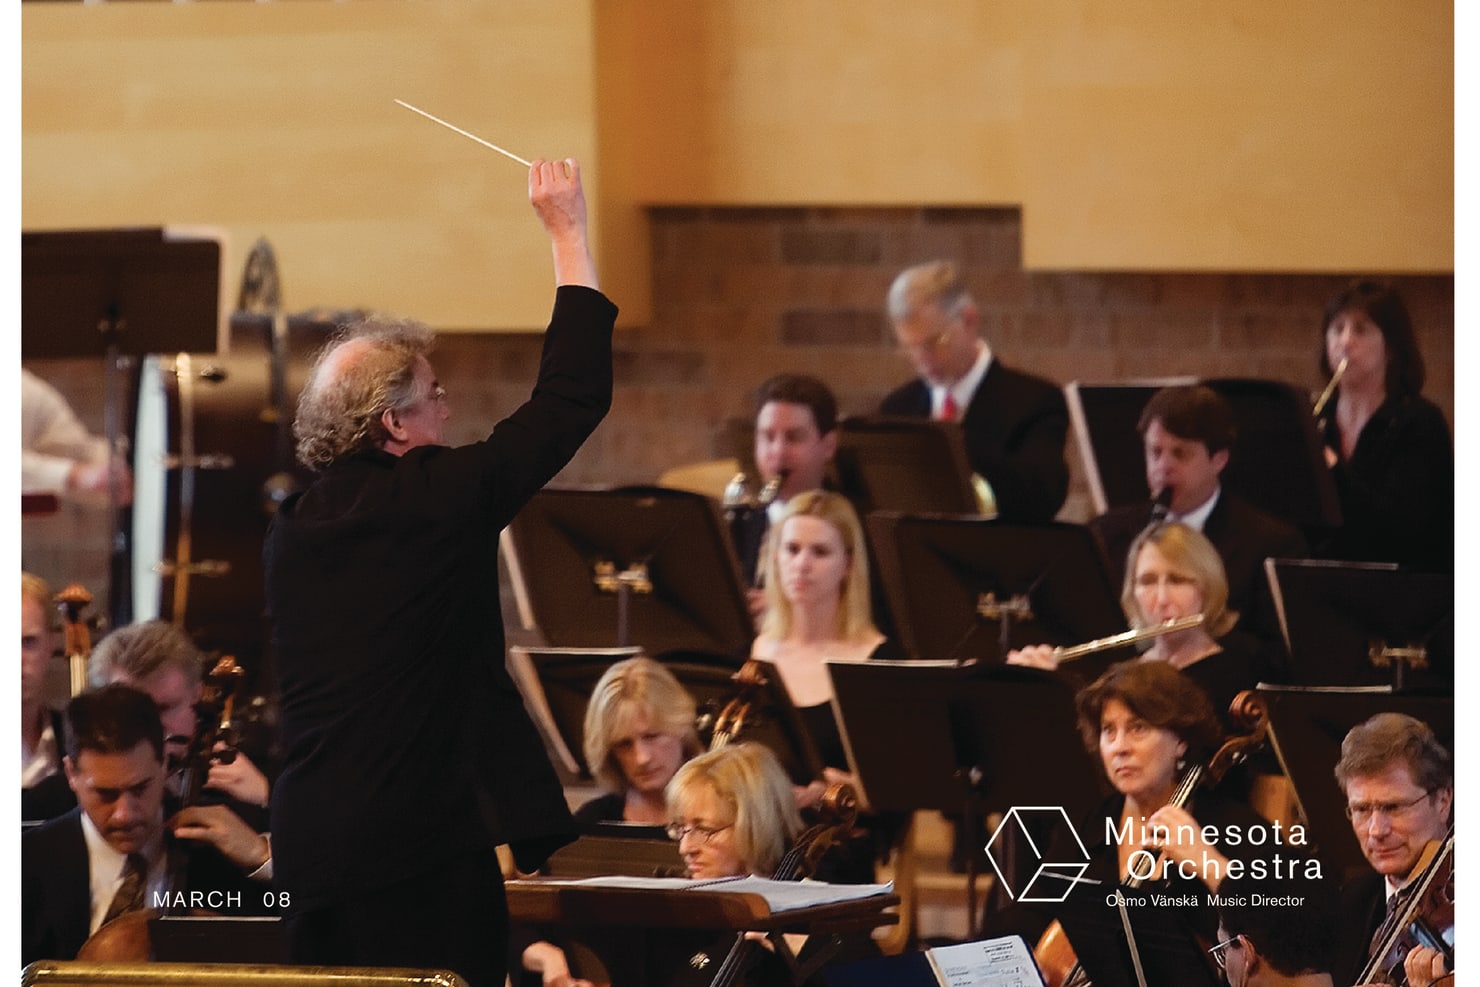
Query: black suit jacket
pixel 1361 907
pixel 56 888
pixel 406 743
pixel 1244 536
pixel 1015 429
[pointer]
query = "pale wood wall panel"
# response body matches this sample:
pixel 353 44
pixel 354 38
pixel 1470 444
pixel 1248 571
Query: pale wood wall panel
pixel 278 120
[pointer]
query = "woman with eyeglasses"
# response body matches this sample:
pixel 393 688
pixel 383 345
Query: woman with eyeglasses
pixel 1148 723
pixel 734 813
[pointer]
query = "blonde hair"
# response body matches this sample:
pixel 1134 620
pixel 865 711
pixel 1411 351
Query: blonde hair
pixel 37 589
pixel 748 779
pixel 855 608
pixel 628 689
pixel 1188 549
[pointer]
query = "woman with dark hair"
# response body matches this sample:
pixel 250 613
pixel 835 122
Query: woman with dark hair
pixel 1149 723
pixel 1389 448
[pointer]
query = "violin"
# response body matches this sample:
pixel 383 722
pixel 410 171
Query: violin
pixel 126 938
pixel 1054 953
pixel 1424 918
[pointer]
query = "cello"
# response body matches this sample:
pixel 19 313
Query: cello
pixel 1053 952
pixel 126 938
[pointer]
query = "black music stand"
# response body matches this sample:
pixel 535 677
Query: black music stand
pixel 1306 727
pixel 118 294
pixel 557 684
pixel 1277 462
pixel 647 566
pixel 973 588
pixel 967 753
pixel 912 465
pixel 1365 623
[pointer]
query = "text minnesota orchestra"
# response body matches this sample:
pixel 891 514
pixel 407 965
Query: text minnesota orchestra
pixel 1145 864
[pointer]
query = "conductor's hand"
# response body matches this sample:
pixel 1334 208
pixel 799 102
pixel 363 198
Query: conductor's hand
pixel 1035 656
pixel 241 779
pixel 224 830
pixel 559 201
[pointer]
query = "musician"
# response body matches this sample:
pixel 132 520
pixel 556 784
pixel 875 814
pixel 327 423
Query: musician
pixel 158 657
pixel 796 436
pixel 1399 786
pixel 44 789
pixel 1188 433
pixel 639 729
pixel 1389 448
pixel 1174 572
pixel 733 814
pixel 1015 424
pixel 123 835
pixel 1290 944
pixel 818 607
pixel 1147 722
pixel 408 755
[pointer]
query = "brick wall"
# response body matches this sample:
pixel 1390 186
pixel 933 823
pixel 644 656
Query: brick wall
pixel 743 293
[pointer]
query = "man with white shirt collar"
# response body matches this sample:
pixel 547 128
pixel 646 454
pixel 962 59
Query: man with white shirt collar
pixel 1188 433
pixel 1015 425
pixel 116 851
pixel 1399 786
pixel 796 436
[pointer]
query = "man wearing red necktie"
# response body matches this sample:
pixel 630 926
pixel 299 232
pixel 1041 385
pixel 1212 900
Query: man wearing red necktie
pixel 1015 424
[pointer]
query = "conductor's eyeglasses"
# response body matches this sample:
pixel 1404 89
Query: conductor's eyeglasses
pixel 1361 812
pixel 703 834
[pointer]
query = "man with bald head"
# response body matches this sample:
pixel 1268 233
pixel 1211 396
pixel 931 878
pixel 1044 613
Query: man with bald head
pixel 407 753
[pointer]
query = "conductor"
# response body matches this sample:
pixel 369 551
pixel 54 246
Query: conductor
pixel 407 752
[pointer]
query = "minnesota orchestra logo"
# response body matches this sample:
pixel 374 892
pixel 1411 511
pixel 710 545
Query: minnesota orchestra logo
pixel 1051 880
pixel 1259 850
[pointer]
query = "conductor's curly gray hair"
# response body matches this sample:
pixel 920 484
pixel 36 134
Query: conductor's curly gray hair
pixel 367 369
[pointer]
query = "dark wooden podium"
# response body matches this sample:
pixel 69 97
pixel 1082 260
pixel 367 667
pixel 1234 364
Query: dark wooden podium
pixel 633 914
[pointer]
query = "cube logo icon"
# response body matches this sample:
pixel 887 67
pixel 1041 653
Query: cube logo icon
pixel 1029 825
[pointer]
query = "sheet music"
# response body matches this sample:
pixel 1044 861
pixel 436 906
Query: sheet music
pixel 780 896
pixel 1004 962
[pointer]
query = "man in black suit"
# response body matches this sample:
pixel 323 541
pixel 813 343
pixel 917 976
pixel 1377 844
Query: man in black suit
pixel 407 752
pixel 116 852
pixel 796 435
pixel 1187 433
pixel 1399 786
pixel 1014 424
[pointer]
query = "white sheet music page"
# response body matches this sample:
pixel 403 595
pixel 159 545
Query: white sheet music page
pixel 1004 962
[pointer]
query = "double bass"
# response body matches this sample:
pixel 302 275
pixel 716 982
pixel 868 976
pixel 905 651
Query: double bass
pixel 126 938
